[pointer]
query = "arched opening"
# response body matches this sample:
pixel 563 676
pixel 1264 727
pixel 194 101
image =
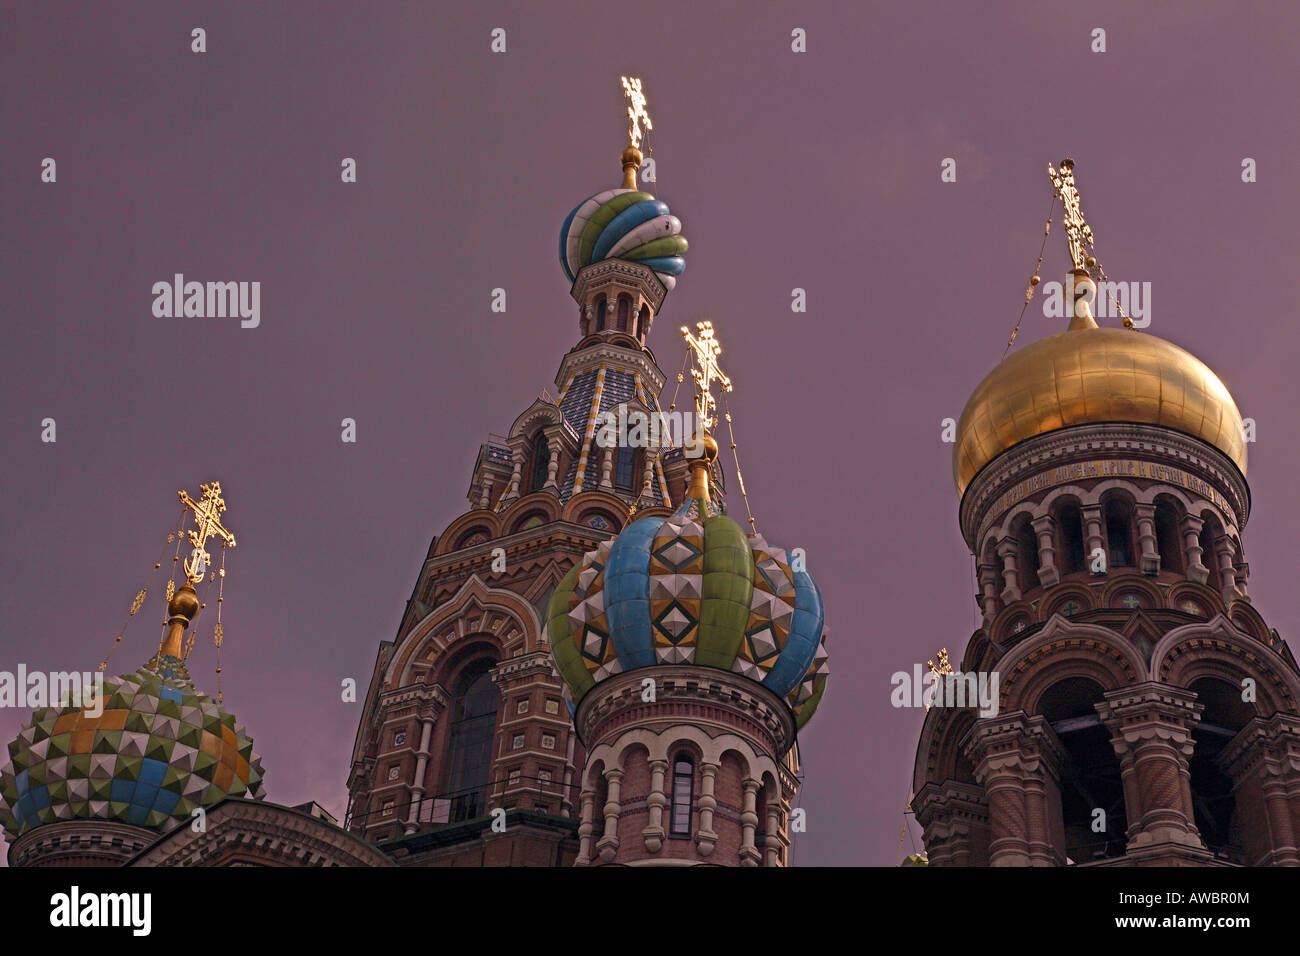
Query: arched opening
pixel 1119 532
pixel 642 322
pixel 683 794
pixel 624 311
pixel 1090 774
pixel 469 751
pixel 1168 538
pixel 1069 529
pixel 624 472
pixel 760 810
pixel 1210 531
pixel 600 796
pixel 1027 552
pixel 602 304
pixel 1214 800
pixel 541 462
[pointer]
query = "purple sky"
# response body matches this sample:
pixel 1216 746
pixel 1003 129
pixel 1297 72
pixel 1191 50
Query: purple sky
pixel 816 170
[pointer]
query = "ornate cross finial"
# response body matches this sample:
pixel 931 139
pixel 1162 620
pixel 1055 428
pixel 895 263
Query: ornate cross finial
pixel 943 668
pixel 207 524
pixel 706 370
pixel 636 111
pixel 1077 231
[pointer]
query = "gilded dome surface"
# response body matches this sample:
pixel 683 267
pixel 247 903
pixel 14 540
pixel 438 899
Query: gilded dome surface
pixel 1090 375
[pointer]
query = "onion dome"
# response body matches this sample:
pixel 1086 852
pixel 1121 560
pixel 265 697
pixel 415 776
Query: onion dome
pixel 692 588
pixel 626 224
pixel 1088 375
pixel 147 753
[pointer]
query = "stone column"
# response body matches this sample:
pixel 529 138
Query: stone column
pixel 553 466
pixel 705 837
pixel 1092 536
pixel 749 855
pixel 1223 553
pixel 486 492
pixel 1196 569
pixel 1008 551
pixel 772 830
pixel 989 584
pixel 1263 761
pixel 1151 730
pixel 515 473
pixel 608 845
pixel 1149 552
pixel 585 827
pixel 606 464
pixel 1045 528
pixel 1017 760
pixel 1242 570
pixel 656 800
pixel 955 820
pixel 421 763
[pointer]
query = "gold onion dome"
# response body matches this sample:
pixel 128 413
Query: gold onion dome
pixel 1088 375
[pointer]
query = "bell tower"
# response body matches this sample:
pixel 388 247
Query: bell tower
pixel 1148 715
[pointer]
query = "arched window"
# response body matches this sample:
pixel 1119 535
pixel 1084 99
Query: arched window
pixel 1169 540
pixel 1119 533
pixel 642 322
pixel 624 311
pixel 1069 524
pixel 1209 531
pixel 1214 798
pixel 469 752
pixel 760 809
pixel 601 305
pixel 1027 553
pixel 1090 776
pixel 541 461
pixel 624 458
pixel 679 822
pixel 600 798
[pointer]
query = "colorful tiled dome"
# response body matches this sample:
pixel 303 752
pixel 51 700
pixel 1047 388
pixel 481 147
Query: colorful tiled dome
pixel 159 749
pixel 693 588
pixel 623 224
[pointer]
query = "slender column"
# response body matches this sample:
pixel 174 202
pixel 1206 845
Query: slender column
pixel 1242 570
pixel 608 845
pixel 989 583
pixel 1092 535
pixel 772 831
pixel 515 473
pixel 421 763
pixel 606 464
pixel 705 837
pixel 486 493
pixel 749 855
pixel 1196 569
pixel 1045 528
pixel 1223 553
pixel 1008 552
pixel 553 465
pixel 1149 562
pixel 585 827
pixel 656 800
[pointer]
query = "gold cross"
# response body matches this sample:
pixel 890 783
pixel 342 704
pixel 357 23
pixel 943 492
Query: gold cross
pixel 636 112
pixel 1077 231
pixel 207 524
pixel 706 370
pixel 943 668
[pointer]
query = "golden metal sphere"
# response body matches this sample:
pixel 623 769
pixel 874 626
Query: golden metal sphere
pixel 1091 375
pixel 184 603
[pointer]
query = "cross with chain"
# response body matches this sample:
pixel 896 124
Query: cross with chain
pixel 706 370
pixel 636 111
pixel 207 524
pixel 943 668
pixel 1077 231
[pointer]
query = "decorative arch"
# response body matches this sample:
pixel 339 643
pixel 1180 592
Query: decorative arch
pixel 1064 649
pixel 487 521
pixel 541 504
pixel 1218 649
pixel 1120 586
pixel 1061 596
pixel 1183 593
pixel 1004 626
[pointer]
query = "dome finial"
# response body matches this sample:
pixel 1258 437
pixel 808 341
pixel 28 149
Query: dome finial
pixel 705 371
pixel 636 115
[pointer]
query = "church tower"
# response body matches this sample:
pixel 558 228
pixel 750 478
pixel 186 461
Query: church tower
pixel 1148 715
pixel 464 714
pixel 694 651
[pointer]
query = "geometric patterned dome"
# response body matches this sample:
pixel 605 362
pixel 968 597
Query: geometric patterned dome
pixel 159 750
pixel 692 588
pixel 623 224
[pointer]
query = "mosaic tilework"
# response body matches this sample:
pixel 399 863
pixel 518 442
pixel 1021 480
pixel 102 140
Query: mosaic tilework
pixel 159 750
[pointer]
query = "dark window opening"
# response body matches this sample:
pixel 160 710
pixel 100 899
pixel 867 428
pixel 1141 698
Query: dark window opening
pixel 623 471
pixel 1119 533
pixel 601 305
pixel 683 795
pixel 1069 523
pixel 1027 548
pixel 469 753
pixel 1214 799
pixel 1210 531
pixel 1168 539
pixel 624 312
pixel 541 461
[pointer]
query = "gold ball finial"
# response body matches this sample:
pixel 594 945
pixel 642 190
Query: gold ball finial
pixel 184 604
pixel 631 160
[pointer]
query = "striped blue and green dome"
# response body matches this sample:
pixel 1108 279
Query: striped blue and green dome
pixel 159 750
pixel 692 588
pixel 623 224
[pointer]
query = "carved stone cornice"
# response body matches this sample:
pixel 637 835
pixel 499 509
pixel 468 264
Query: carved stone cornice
pixel 618 274
pixel 536 664
pixel 427 700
